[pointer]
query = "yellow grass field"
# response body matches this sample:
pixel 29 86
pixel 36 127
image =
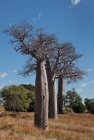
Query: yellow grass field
pixel 20 126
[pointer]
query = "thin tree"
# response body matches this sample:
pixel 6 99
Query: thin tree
pixel 35 45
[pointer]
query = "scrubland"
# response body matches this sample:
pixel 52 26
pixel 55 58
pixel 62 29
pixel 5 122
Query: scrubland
pixel 20 126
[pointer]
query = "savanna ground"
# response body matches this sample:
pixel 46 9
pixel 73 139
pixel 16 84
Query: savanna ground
pixel 19 126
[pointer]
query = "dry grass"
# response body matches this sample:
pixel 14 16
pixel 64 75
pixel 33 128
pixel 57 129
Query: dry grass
pixel 20 126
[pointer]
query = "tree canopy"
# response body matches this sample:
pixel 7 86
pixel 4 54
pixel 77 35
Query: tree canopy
pixel 18 98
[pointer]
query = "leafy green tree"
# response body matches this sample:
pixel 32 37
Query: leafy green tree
pixel 72 98
pixel 1 100
pixel 78 108
pixel 28 86
pixel 92 107
pixel 89 103
pixel 15 98
pixel 31 96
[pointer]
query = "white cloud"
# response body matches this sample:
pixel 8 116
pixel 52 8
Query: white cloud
pixel 1 87
pixel 7 83
pixel 79 90
pixel 83 85
pixel 91 82
pixel 38 17
pixel 11 82
pixel 15 71
pixel 89 70
pixel 75 2
pixel 10 24
pixel 3 75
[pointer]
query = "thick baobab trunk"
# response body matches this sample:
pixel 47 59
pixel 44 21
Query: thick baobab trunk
pixel 60 95
pixel 41 97
pixel 52 97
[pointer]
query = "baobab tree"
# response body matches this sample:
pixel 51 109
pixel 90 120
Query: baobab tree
pixel 51 66
pixel 50 69
pixel 61 65
pixel 72 76
pixel 68 71
pixel 37 45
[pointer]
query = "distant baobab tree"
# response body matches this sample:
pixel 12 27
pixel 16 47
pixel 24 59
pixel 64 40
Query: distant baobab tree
pixel 61 65
pixel 68 71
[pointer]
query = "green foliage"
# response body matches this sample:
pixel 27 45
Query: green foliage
pixel 32 102
pixel 74 101
pixel 68 111
pixel 89 103
pixel 31 96
pixel 29 87
pixel 78 108
pixel 17 98
pixel 72 98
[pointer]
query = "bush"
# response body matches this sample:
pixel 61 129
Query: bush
pixel 17 98
pixel 68 111
pixel 78 108
pixel 72 98
pixel 89 103
pixel 92 108
pixel 31 96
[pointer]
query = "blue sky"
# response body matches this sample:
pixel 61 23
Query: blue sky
pixel 69 20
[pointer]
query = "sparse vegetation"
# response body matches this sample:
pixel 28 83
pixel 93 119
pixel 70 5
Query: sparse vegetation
pixel 20 126
pixel 46 110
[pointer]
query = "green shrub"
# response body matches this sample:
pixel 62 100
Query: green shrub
pixel 68 111
pixel 92 108
pixel 78 108
pixel 72 98
pixel 89 103
pixel 18 98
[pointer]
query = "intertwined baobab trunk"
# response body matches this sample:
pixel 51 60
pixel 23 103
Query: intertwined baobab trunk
pixel 41 97
pixel 52 96
pixel 60 99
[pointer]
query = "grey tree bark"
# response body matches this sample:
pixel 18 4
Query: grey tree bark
pixel 60 99
pixel 52 96
pixel 41 97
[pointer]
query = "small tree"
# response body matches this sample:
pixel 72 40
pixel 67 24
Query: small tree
pixel 89 103
pixel 15 98
pixel 69 71
pixel 31 96
pixel 72 98
pixel 28 87
pixel 78 108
